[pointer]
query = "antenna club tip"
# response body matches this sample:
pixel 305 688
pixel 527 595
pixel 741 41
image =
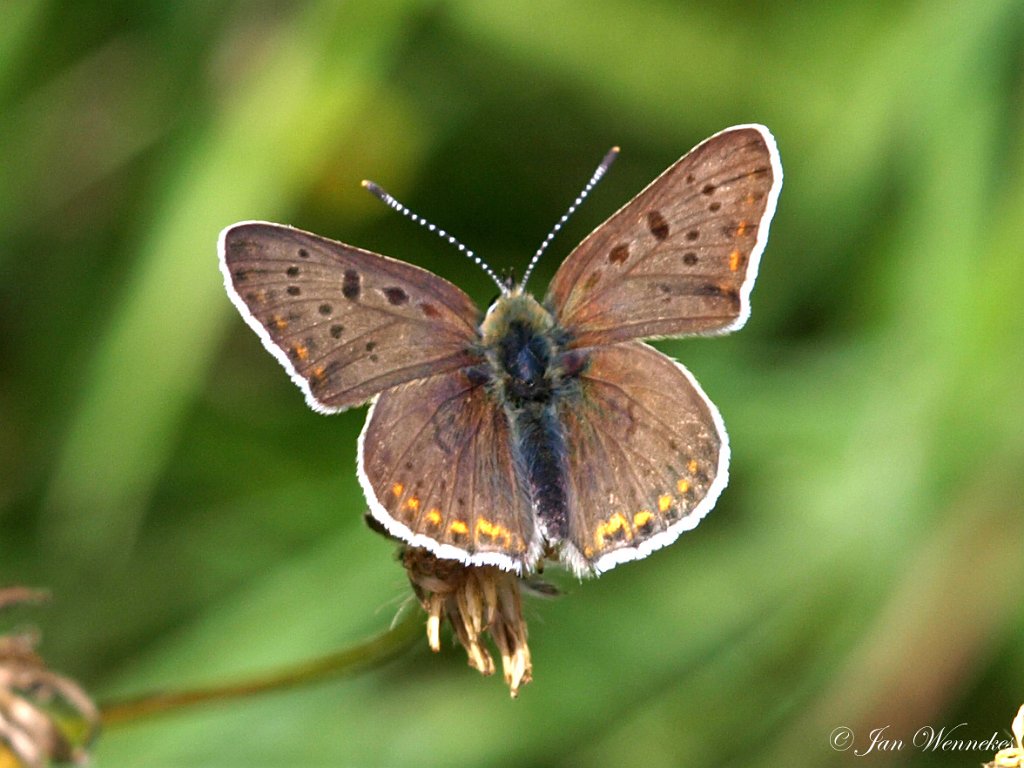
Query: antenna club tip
pixel 615 150
pixel 374 189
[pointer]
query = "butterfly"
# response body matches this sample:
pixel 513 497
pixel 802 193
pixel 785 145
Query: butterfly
pixel 543 429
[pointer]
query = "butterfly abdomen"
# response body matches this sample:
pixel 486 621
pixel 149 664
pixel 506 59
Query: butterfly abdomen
pixel 539 446
pixel 529 377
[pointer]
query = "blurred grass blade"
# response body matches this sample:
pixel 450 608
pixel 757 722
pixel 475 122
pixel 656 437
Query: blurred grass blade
pixel 249 161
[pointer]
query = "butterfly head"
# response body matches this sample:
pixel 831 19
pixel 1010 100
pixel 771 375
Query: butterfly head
pixel 515 308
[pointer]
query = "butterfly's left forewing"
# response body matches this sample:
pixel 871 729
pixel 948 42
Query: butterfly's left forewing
pixel 681 257
pixel 345 323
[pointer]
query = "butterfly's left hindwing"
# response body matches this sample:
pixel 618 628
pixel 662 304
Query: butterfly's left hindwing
pixel 435 462
pixel 345 323
pixel 647 456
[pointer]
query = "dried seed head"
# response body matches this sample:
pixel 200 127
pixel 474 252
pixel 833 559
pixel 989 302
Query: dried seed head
pixel 43 717
pixel 476 600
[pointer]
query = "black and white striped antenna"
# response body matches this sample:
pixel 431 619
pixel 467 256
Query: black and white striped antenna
pixel 505 286
pixel 391 202
pixel 601 170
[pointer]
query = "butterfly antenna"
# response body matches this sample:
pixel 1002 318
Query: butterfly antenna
pixel 606 163
pixel 391 202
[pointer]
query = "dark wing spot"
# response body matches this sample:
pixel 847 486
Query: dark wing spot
pixel 351 285
pixel 303 253
pixel 733 295
pixel 396 296
pixel 714 206
pixel 722 291
pixel 708 189
pixel 592 280
pixel 294 290
pixel 709 289
pixel 371 345
pixel 336 331
pixel 292 271
pixel 689 178
pixel 326 309
pixel 619 253
pixel 240 275
pixel 692 235
pixel 429 310
pixel 657 225
pixel 689 258
pixel 374 358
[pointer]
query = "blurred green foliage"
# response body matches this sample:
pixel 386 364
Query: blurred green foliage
pixel 161 475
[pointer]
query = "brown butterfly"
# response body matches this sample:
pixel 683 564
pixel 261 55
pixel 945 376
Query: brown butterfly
pixel 546 428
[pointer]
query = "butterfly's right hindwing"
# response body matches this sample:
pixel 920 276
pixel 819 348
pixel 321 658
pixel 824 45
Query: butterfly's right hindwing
pixel 647 456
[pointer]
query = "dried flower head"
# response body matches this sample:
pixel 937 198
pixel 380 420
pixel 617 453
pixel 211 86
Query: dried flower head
pixel 44 717
pixel 476 600
pixel 1012 757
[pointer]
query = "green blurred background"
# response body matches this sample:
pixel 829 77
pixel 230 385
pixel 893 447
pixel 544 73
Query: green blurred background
pixel 197 523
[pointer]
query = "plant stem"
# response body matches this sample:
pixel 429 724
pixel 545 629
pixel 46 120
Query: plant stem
pixel 363 656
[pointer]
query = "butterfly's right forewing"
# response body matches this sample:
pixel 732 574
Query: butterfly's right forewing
pixel 681 257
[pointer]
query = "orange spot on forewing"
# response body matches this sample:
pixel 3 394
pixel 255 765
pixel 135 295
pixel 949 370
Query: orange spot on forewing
pixel 734 260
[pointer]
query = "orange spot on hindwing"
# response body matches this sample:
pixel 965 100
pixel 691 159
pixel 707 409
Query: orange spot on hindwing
pixel 615 527
pixel 485 529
